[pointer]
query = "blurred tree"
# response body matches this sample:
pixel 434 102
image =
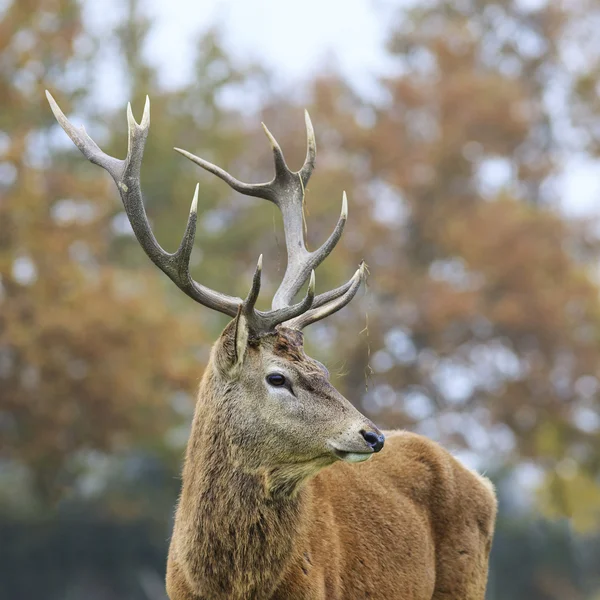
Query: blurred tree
pixel 480 324
pixel 89 355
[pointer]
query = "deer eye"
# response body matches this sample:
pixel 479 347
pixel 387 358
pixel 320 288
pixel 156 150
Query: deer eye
pixel 276 379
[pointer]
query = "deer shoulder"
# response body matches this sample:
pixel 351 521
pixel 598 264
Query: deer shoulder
pixel 459 503
pixel 413 522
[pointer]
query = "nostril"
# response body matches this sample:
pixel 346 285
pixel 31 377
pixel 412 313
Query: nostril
pixel 374 440
pixel 370 437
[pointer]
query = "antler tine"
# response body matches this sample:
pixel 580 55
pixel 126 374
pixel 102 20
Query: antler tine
pixel 326 297
pixel 126 174
pixel 264 322
pixel 252 297
pixel 269 320
pixel 84 142
pixel 311 150
pixel 326 309
pixel 281 169
pixel 259 190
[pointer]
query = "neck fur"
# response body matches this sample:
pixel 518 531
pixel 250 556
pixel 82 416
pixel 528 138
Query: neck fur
pixel 237 528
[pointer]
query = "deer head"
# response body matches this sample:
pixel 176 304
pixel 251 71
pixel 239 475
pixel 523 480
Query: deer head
pixel 279 409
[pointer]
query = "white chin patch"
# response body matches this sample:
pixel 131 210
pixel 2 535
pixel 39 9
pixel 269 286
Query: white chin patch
pixel 356 457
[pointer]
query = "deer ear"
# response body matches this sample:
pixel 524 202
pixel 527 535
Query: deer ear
pixel 231 349
pixel 241 337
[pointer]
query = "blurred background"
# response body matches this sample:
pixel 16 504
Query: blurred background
pixel 466 134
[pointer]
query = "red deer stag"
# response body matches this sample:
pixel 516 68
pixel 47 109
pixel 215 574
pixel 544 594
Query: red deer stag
pixel 273 504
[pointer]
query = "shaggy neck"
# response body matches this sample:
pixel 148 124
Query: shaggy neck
pixel 236 528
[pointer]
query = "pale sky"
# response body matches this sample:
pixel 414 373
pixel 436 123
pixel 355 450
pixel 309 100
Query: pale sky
pixel 295 38
pixel 292 37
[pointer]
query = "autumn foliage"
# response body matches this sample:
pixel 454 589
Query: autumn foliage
pixel 480 325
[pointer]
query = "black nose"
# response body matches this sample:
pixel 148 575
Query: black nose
pixel 375 440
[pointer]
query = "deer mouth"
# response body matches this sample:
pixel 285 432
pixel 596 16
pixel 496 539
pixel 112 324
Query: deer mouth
pixel 350 456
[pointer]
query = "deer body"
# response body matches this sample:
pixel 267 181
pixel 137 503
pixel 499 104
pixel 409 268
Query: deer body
pixel 273 506
pixel 410 524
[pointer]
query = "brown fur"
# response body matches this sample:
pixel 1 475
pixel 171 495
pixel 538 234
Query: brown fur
pixel 261 518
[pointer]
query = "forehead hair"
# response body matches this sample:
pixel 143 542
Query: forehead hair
pixel 288 344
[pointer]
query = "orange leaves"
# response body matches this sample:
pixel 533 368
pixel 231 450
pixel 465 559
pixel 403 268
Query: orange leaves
pixel 530 278
pixel 90 355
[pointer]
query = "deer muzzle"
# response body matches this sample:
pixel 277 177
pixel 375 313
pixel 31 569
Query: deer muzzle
pixel 358 446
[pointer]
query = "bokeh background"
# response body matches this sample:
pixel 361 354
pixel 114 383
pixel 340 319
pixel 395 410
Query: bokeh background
pixel 467 135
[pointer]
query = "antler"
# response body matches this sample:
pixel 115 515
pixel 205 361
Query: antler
pixel 286 190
